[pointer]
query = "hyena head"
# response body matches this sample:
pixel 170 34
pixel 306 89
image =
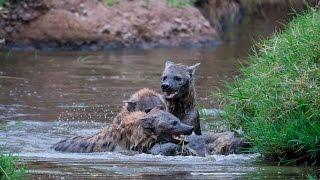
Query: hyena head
pixel 165 126
pixel 177 80
pixel 145 100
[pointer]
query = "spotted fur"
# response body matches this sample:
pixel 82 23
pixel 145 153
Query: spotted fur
pixel 143 100
pixel 137 131
pixel 183 104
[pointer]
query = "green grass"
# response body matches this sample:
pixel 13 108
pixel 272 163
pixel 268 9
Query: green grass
pixel 9 168
pixel 180 3
pixel 277 99
pixel 170 3
pixel 111 2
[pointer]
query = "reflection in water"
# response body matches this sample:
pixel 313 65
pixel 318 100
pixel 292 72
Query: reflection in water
pixel 61 94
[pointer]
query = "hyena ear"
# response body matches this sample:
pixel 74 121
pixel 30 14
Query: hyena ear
pixel 192 69
pixel 131 105
pixel 168 63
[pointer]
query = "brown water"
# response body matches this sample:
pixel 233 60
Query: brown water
pixel 92 86
pixel 47 96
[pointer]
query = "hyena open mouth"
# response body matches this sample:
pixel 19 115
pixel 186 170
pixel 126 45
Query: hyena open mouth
pixel 170 94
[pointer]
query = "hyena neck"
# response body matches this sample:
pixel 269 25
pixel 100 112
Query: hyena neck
pixel 112 138
pixel 181 107
pixel 132 137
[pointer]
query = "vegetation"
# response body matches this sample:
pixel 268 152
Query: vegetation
pixel 111 2
pixel 180 3
pixel 2 2
pixel 277 100
pixel 170 3
pixel 9 169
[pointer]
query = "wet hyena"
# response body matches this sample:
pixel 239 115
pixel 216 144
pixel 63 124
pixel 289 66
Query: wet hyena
pixel 142 100
pixel 177 85
pixel 137 131
pixel 206 144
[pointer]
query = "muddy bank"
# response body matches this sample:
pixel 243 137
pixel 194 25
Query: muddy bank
pixel 224 14
pixel 95 25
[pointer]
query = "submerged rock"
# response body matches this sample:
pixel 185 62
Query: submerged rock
pixel 93 24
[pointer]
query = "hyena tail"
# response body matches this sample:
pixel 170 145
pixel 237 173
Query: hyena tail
pixel 77 144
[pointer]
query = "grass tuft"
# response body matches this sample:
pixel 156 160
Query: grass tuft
pixel 111 2
pixel 9 168
pixel 180 3
pixel 277 100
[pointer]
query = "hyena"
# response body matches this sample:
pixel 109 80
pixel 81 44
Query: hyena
pixel 177 85
pixel 143 100
pixel 206 144
pixel 216 143
pixel 137 131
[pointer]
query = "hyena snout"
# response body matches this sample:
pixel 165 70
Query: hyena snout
pixel 188 129
pixel 166 87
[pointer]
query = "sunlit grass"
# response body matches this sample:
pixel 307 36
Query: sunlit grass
pixel 277 100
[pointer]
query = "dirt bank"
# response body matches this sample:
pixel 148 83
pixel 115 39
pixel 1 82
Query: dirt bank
pixel 93 24
pixel 223 14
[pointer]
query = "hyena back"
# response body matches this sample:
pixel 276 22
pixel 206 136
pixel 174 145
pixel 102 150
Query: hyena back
pixel 137 131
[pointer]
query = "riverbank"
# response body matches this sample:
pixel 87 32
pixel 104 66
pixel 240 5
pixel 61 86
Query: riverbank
pixel 276 100
pixel 111 24
pixel 99 25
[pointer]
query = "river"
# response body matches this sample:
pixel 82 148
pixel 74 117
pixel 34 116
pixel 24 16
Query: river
pixel 47 96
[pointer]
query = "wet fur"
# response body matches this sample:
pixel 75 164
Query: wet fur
pixel 184 107
pixel 128 135
pixel 142 100
pixel 207 144
pixel 137 131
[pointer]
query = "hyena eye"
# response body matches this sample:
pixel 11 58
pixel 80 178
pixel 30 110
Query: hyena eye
pixel 164 78
pixel 177 78
pixel 174 123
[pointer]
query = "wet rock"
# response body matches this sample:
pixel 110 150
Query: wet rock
pixel 128 23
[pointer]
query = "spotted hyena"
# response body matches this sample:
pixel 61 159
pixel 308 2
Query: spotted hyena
pixel 137 131
pixel 142 100
pixel 177 85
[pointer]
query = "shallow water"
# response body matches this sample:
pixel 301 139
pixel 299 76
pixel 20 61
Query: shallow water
pixel 31 140
pixel 47 96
